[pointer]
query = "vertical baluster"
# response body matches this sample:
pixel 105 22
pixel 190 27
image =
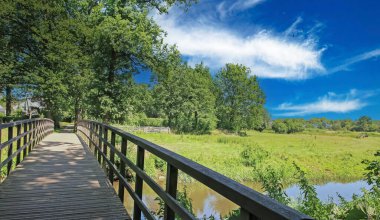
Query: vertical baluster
pixel 25 139
pixel 139 181
pixel 112 156
pixel 105 146
pixel 18 144
pixel 10 149
pixel 96 140
pixel 34 134
pixel 100 144
pixel 38 132
pixel 91 135
pixel 122 167
pixel 0 149
pixel 171 189
pixel 30 136
pixel 245 215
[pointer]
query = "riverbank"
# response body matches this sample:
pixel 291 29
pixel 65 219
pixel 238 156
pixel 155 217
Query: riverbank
pixel 324 156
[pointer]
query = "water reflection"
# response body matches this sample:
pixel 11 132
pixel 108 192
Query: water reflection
pixel 207 202
pixel 332 189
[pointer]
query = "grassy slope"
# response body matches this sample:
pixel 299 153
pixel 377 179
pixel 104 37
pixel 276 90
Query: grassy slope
pixel 325 156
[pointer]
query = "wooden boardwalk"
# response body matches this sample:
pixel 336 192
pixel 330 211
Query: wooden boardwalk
pixel 60 179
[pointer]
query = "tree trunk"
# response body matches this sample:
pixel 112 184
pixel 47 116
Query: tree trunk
pixel 8 100
pixel 196 120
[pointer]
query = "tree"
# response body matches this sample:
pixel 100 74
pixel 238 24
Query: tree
pixel 185 95
pixel 294 125
pixel 279 126
pixel 364 123
pixel 240 100
pixel 76 54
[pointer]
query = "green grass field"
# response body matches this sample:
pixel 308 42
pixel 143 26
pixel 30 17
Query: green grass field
pixel 325 155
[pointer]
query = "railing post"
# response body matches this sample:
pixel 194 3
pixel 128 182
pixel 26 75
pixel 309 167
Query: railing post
pixel 91 135
pixel 34 134
pixel 18 160
pixel 122 167
pixel 112 156
pixel 139 181
pixel 171 189
pixel 105 146
pixel 25 139
pixel 0 143
pixel 10 149
pixel 245 215
pixel 100 143
pixel 30 135
pixel 96 141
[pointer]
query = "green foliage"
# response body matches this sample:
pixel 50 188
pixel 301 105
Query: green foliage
pixel 309 202
pixel 185 97
pixel 182 198
pixel 373 170
pixel 239 100
pixel 288 126
pixel 253 155
pixel 279 126
pixel 233 215
pixel 159 164
pixel 294 125
pixel 272 183
pixel 155 122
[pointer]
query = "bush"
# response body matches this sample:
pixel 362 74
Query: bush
pixel 253 155
pixel 294 125
pixel 154 122
pixel 280 127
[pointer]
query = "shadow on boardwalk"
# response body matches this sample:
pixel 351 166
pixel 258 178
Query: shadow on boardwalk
pixel 59 179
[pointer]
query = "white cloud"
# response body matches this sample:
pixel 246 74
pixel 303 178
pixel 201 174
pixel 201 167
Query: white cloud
pixel 268 55
pixel 225 7
pixel 361 57
pixel 332 102
pixel 293 28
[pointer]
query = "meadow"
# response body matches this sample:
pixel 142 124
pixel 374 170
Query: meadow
pixel 325 156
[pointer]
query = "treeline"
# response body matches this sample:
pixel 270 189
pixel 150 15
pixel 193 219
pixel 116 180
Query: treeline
pixel 363 124
pixel 78 59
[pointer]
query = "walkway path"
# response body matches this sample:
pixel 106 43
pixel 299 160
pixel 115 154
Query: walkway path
pixel 60 179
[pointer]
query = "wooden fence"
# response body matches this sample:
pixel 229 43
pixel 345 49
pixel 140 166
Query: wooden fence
pixel 101 139
pixel 21 138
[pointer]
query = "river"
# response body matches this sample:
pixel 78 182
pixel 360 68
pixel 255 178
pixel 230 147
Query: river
pixel 207 202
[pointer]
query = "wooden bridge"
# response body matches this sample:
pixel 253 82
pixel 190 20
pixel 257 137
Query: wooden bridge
pixel 70 176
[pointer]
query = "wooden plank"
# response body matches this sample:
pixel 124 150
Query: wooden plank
pixel 60 179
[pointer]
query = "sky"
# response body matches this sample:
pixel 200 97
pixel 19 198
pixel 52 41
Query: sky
pixel 313 58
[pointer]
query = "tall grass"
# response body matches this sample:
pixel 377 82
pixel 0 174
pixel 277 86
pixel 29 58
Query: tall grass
pixel 324 157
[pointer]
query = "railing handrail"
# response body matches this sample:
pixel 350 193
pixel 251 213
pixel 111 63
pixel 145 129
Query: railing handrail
pixel 30 132
pixel 14 123
pixel 252 202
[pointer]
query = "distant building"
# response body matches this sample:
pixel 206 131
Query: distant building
pixel 28 107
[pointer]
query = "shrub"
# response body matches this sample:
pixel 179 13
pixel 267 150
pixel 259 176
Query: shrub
pixel 253 155
pixel 154 122
pixel 280 127
pixel 159 164
pixel 294 125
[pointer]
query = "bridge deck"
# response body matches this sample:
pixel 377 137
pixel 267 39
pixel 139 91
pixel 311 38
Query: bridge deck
pixel 60 179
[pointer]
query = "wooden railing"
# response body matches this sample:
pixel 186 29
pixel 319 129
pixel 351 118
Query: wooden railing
pixel 101 139
pixel 21 137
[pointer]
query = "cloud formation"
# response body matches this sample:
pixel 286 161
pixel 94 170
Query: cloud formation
pixel 267 54
pixel 225 7
pixel 361 57
pixel 330 103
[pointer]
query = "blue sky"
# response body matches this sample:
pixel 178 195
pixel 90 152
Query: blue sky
pixel 313 58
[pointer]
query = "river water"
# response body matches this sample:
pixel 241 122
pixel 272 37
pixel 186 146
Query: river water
pixel 207 202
